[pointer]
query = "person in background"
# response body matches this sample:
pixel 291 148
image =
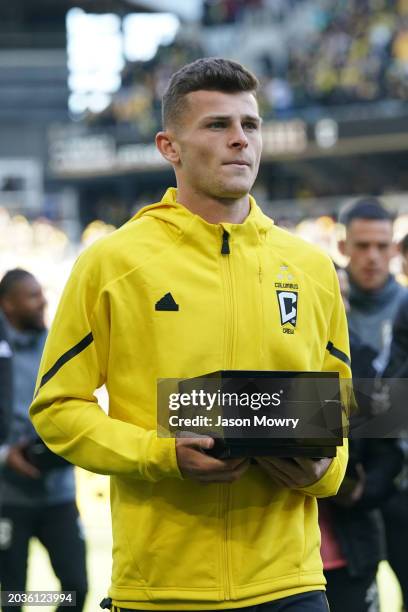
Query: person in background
pixel 374 292
pixel 395 511
pixel 403 250
pixel 5 384
pixel 375 298
pixel 350 523
pixel 35 503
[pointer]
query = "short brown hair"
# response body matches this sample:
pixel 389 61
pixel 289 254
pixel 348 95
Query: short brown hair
pixel 209 73
pixel 368 208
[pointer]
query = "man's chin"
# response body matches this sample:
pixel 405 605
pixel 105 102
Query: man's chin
pixel 234 192
pixel 34 326
pixel 372 284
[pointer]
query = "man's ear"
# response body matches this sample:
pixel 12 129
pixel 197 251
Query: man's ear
pixel 168 147
pixel 342 247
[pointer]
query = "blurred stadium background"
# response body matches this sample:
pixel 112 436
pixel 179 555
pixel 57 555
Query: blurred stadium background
pixel 80 89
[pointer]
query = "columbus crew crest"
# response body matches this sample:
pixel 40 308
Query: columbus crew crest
pixel 288 298
pixel 288 304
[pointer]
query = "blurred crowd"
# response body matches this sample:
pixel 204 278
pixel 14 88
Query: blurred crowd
pixel 356 51
pixel 219 12
pixel 43 248
pixel 143 83
pixel 351 51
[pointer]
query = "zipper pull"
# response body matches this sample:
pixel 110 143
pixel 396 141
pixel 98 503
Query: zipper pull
pixel 225 249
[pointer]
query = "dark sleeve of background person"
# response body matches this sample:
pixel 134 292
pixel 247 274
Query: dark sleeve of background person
pixel 398 362
pixel 381 461
pixel 364 374
pixel 5 388
pixel 362 357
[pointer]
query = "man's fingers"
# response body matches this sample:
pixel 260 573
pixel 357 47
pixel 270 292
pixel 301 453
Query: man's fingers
pixel 296 472
pixel 274 472
pixel 196 464
pixel 226 476
pixel 211 465
pixel 18 463
pixel 29 470
pixel 204 443
pixel 286 467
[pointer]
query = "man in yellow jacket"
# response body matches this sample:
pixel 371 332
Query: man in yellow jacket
pixel 185 288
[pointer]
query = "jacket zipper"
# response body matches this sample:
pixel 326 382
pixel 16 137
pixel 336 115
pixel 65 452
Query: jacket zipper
pixel 262 310
pixel 225 490
pixel 226 264
pixel 225 248
pixel 226 497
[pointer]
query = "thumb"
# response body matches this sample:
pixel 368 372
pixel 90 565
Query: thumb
pixel 204 443
pixel 199 442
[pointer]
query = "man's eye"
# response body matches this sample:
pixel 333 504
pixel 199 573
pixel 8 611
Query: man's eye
pixel 250 125
pixel 216 124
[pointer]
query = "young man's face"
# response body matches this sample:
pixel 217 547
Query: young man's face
pixel 370 248
pixel 219 144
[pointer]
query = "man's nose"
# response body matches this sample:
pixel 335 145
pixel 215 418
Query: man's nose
pixel 239 138
pixel 373 253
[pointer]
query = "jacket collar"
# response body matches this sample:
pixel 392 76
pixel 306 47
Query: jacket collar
pixel 183 221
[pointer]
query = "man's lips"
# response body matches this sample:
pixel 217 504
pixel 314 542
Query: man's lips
pixel 370 271
pixel 237 162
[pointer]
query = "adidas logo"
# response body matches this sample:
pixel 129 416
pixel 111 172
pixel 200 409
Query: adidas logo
pixel 167 302
pixel 5 350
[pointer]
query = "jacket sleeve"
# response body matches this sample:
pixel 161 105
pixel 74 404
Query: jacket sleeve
pixel 382 461
pixel 5 385
pixel 65 411
pixel 397 366
pixel 337 359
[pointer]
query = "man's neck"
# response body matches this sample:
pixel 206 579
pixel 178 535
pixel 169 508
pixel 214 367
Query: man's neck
pixel 214 210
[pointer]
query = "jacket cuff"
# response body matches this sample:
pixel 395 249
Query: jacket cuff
pixel 162 459
pixel 329 484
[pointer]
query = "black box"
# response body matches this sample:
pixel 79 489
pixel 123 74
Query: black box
pixel 313 396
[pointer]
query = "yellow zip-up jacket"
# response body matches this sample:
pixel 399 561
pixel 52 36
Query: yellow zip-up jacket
pixel 179 545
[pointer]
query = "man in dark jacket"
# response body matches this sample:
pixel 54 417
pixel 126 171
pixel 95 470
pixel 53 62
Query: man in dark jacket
pixel 374 293
pixel 36 501
pixel 395 511
pixel 352 545
pixel 5 383
pixel 375 297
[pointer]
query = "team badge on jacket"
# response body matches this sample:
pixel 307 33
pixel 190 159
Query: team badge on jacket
pixel 287 294
pixel 288 301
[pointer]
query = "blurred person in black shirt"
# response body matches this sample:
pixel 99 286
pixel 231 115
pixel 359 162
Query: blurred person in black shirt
pixel 37 500
pixel 5 383
pixel 395 511
pixel 350 523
